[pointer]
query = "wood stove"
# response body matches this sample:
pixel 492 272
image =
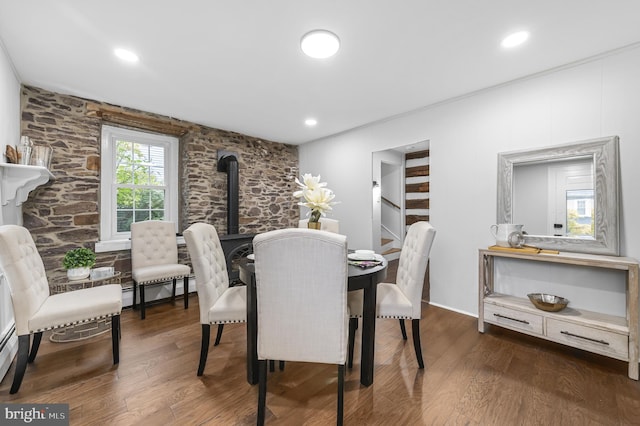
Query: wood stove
pixel 234 245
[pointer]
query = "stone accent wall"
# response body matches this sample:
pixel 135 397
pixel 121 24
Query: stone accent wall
pixel 65 213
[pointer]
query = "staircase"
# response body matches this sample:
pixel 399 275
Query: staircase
pixel 416 187
pixel 416 198
pixel 388 251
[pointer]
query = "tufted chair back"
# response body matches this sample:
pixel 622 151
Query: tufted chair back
pixel 413 263
pixel 301 287
pixel 153 242
pixel 25 274
pixel 209 265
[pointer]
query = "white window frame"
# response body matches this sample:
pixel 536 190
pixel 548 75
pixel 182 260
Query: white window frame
pixel 110 239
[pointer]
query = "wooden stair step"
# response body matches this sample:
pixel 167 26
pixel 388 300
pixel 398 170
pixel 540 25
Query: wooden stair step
pixel 384 241
pixel 391 250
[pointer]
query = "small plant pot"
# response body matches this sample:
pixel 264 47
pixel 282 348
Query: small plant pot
pixel 78 273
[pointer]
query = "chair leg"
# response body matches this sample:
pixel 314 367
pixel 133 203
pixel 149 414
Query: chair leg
pixel 21 362
pixel 173 291
pixel 403 329
pixel 340 394
pixel 272 366
pixel 204 348
pixel 115 338
pixel 135 294
pixel 142 311
pixel 281 366
pixel 218 334
pixel 185 285
pixel 415 329
pixel 353 325
pixel 262 390
pixel 37 337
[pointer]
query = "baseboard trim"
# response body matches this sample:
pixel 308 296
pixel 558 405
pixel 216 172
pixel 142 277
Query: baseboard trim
pixel 449 308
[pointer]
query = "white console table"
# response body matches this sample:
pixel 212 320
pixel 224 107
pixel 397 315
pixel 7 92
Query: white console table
pixel 609 335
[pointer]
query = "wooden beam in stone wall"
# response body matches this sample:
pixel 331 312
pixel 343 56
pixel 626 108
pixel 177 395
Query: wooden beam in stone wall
pixel 417 204
pixel 411 219
pixel 417 154
pixel 417 187
pixel 117 115
pixel 417 171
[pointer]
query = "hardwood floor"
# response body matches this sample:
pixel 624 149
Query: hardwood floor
pixel 496 378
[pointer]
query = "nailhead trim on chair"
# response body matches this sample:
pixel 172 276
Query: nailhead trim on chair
pixel 227 322
pixel 74 323
pixel 163 279
pixel 386 316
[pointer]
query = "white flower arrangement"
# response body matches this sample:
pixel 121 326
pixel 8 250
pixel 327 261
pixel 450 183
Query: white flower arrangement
pixel 317 197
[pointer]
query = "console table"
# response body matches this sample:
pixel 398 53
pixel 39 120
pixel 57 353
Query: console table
pixel 609 335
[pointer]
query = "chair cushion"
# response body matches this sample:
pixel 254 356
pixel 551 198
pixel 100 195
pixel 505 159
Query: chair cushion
pixel 390 303
pixel 231 306
pixel 77 306
pixel 157 273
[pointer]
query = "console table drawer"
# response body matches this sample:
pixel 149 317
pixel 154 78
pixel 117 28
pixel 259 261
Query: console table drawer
pixel 513 318
pixel 604 342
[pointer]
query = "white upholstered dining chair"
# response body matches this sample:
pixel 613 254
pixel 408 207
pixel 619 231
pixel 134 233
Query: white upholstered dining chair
pixel 326 224
pixel 402 300
pixel 154 259
pixel 219 303
pixel 301 295
pixel 36 311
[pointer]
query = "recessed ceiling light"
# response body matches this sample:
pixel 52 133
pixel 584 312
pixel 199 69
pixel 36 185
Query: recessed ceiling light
pixel 320 44
pixel 310 122
pixel 126 55
pixel 515 39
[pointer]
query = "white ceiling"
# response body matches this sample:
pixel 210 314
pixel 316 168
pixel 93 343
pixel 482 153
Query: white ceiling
pixel 237 65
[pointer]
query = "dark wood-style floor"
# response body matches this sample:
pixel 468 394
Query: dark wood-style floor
pixel 496 378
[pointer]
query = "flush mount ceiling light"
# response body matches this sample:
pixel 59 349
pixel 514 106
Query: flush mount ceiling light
pixel 310 122
pixel 515 39
pixel 126 55
pixel 320 44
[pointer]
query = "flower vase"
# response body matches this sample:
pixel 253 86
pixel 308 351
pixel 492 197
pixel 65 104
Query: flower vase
pixel 314 225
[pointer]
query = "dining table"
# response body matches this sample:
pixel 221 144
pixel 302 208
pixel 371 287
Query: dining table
pixel 365 279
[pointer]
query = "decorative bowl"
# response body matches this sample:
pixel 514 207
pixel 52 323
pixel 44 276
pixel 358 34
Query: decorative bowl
pixel 548 302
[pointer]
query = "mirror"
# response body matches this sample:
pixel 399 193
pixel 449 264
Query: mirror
pixel 566 196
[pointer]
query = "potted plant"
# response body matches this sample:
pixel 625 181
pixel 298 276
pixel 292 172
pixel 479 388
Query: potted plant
pixel 78 263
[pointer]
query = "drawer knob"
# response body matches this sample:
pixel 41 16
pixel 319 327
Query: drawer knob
pixel 602 342
pixel 512 319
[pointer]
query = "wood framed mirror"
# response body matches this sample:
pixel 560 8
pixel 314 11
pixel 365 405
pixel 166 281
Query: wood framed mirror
pixel 566 196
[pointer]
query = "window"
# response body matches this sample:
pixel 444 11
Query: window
pixel 139 181
pixel 580 213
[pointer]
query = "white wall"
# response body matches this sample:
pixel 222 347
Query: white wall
pixel 9 133
pixel 596 98
pixel 9 103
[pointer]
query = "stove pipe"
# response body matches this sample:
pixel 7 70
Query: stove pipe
pixel 228 163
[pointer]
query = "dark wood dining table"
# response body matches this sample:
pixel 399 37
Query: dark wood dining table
pixel 365 279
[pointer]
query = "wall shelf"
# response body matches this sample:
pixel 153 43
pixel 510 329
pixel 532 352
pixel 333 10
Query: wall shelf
pixel 17 182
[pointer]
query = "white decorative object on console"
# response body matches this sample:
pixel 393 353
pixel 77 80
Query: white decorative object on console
pixel 609 335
